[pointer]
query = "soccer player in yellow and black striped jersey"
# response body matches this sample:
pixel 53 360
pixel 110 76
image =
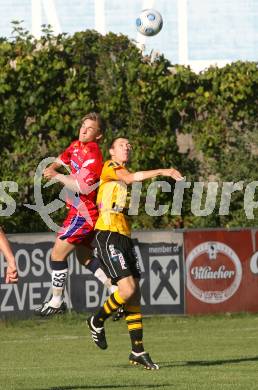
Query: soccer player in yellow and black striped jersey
pixel 115 249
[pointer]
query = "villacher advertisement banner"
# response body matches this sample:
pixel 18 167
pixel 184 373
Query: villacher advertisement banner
pixel 218 273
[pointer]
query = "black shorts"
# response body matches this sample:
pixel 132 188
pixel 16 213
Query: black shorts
pixel 117 255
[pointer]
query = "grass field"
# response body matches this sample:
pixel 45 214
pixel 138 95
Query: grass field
pixel 195 353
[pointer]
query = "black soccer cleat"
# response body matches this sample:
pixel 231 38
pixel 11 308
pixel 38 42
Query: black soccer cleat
pixel 144 360
pixel 118 314
pixel 45 310
pixel 97 334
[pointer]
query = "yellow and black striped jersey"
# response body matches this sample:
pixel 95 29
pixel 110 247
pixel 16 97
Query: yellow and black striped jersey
pixel 112 201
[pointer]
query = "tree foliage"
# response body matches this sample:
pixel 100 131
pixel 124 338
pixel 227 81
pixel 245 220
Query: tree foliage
pixel 48 85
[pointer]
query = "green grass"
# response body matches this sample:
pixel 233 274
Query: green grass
pixel 194 353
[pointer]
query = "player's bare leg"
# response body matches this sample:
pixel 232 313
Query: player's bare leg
pixel 128 294
pixel 86 257
pixel 59 265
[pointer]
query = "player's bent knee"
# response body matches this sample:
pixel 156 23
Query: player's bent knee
pixel 127 292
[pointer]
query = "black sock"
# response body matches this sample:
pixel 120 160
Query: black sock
pixel 113 302
pixel 93 265
pixel 133 318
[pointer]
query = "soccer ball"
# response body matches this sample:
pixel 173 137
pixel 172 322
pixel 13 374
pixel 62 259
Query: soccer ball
pixel 149 22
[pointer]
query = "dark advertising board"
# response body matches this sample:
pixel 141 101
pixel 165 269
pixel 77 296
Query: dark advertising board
pixel 162 281
pixel 161 263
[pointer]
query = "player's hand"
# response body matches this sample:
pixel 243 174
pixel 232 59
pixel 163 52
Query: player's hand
pixel 11 275
pixel 171 172
pixel 49 173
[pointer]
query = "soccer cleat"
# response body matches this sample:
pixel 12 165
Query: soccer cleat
pixel 144 360
pixel 45 310
pixel 97 334
pixel 118 314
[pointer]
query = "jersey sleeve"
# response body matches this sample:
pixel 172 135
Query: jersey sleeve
pixel 109 171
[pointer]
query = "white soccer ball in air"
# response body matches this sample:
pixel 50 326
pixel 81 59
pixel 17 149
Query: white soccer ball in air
pixel 149 22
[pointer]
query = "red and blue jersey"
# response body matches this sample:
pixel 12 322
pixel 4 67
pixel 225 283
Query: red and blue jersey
pixel 85 162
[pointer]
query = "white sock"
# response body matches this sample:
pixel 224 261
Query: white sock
pixel 138 353
pixel 58 285
pixel 101 276
pixel 112 288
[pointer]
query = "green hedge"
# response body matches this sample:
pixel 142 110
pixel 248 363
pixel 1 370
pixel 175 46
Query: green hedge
pixel 47 86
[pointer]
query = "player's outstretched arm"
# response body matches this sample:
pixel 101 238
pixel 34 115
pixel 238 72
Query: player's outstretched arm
pixel 129 178
pixel 11 272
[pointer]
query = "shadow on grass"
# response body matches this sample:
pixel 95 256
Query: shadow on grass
pixel 208 362
pixel 104 387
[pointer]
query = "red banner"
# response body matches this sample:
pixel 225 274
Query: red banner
pixel 221 271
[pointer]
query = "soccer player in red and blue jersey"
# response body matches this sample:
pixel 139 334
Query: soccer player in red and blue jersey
pixel 84 159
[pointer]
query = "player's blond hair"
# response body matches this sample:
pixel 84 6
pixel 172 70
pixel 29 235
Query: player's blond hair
pixel 94 116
